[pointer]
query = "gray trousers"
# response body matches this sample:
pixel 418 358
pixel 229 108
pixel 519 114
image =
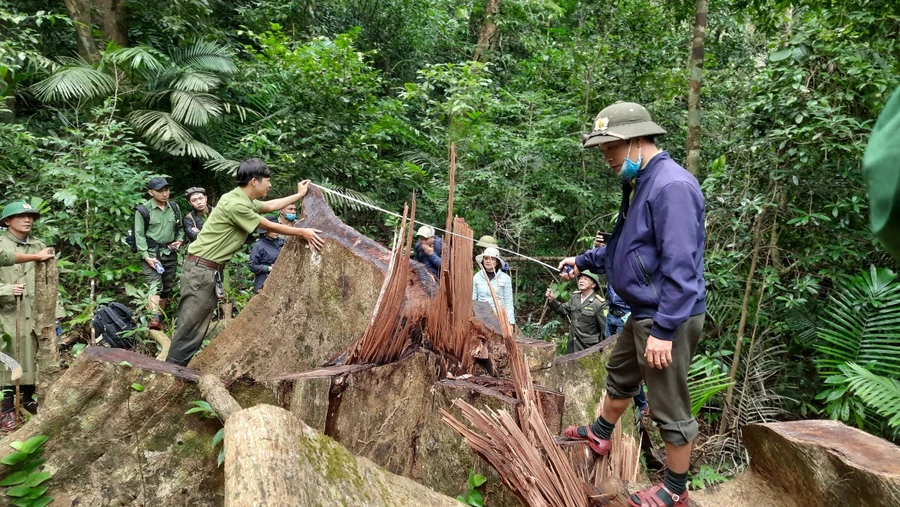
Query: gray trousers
pixel 670 401
pixel 195 311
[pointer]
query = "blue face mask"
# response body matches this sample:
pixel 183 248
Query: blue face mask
pixel 291 216
pixel 630 168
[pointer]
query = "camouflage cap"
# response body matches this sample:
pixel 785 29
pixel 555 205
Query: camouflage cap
pixel 18 208
pixel 486 241
pixel 593 276
pixel 620 121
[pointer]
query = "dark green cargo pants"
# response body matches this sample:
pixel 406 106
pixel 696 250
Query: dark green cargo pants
pixel 195 311
pixel 670 402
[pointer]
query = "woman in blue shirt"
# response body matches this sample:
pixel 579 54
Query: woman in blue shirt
pixel 490 273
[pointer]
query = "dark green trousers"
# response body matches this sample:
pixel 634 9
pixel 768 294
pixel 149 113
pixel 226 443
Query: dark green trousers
pixel 670 402
pixel 195 311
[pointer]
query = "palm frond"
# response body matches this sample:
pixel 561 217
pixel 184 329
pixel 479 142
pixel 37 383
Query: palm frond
pixel 79 81
pixel 881 394
pixel 242 111
pixel 223 165
pixel 862 325
pixel 138 58
pixel 194 109
pixel 192 80
pixel 203 55
pixel 159 128
pixel 193 148
pixel 703 388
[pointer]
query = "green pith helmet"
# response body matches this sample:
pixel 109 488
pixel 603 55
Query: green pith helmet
pixel 486 241
pixel 17 208
pixel 592 276
pixel 622 120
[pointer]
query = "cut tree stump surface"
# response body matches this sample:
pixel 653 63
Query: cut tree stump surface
pixel 826 463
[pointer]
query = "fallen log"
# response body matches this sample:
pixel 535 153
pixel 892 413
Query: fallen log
pixel 273 458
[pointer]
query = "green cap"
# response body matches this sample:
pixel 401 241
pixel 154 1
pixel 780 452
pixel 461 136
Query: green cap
pixel 486 241
pixel 621 121
pixel 592 276
pixel 18 208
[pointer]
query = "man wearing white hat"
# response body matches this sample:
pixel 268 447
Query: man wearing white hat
pixel 428 249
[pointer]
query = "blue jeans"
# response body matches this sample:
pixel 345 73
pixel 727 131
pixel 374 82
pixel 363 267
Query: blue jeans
pixel 614 325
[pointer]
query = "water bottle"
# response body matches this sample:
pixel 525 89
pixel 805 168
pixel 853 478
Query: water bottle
pixel 158 267
pixel 58 328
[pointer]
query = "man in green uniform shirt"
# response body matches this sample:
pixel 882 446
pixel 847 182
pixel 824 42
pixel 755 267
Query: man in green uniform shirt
pixel 586 311
pixel 223 234
pixel 10 257
pixel 18 283
pixel 158 235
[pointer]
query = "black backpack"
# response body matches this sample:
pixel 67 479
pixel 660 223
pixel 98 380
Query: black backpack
pixel 145 214
pixel 110 322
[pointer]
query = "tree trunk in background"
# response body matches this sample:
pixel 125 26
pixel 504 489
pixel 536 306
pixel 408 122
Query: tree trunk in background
pixel 696 69
pixel 488 29
pixel 115 24
pixel 80 12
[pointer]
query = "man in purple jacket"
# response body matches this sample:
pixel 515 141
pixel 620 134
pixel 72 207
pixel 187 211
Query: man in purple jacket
pixel 654 261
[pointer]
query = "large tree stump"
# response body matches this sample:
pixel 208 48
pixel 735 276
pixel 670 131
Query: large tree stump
pixel 826 463
pixel 314 304
pixel 113 445
pixel 274 459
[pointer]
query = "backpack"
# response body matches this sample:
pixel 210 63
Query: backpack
pixel 145 214
pixel 110 321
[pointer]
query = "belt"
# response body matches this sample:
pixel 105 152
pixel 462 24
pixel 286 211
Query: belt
pixel 203 262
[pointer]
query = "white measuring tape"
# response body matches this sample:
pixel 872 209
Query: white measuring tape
pixel 553 269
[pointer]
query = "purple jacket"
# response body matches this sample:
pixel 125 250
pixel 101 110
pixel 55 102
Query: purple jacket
pixel 654 259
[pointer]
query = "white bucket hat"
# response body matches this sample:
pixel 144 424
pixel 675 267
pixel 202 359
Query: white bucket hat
pixel 489 252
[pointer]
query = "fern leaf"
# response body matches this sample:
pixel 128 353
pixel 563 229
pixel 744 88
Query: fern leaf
pixel 74 82
pixel 881 394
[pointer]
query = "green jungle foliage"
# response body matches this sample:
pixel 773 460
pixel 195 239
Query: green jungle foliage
pixel 366 98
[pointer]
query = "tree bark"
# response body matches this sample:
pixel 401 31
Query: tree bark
pixel 115 21
pixel 695 66
pixel 218 397
pixel 46 291
pixel 273 458
pixel 80 12
pixel 488 29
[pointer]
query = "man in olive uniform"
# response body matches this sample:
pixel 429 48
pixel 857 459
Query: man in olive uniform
pixel 223 234
pixel 158 235
pixel 17 283
pixel 586 311
pixel 10 257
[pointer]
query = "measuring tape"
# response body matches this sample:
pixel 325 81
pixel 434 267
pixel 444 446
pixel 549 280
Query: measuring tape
pixel 552 269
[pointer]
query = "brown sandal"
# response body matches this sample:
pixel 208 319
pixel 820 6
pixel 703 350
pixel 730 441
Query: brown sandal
pixel 8 421
pixel 658 496
pixel 596 443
